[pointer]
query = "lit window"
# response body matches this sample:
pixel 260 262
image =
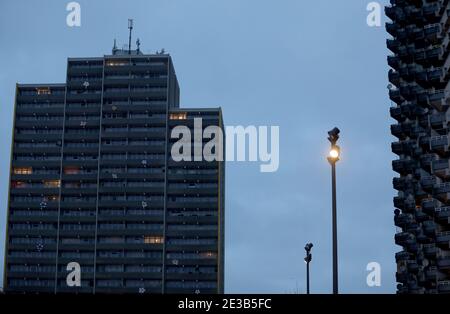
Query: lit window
pixel 178 116
pixel 153 240
pixel 115 63
pixel 52 184
pixel 52 198
pixel 23 170
pixel 208 254
pixel 19 184
pixel 71 170
pixel 43 91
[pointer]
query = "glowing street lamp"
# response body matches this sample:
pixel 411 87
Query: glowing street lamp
pixel 333 157
pixel 334 153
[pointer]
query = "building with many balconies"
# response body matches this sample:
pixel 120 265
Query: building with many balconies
pixel 420 93
pixel 92 181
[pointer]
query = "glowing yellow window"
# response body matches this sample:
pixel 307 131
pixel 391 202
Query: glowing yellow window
pixel 115 63
pixel 23 170
pixel 178 116
pixel 52 184
pixel 153 240
pixel 43 91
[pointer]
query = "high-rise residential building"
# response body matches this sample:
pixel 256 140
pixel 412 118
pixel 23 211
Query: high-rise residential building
pixel 93 182
pixel 420 93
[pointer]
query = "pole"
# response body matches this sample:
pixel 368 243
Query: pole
pixel 335 250
pixel 307 278
pixel 308 259
pixel 130 26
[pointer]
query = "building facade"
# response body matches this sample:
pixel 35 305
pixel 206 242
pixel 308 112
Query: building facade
pixel 420 93
pixel 92 181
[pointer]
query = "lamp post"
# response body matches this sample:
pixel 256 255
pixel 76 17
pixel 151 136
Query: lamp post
pixel 308 259
pixel 333 157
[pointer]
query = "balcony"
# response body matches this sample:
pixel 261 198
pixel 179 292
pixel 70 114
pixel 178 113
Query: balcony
pixel 426 161
pixel 432 10
pixel 440 168
pixel 85 70
pixel 396 113
pixel 401 276
pixel 408 72
pixel 444 286
pixel 438 121
pixel 397 131
pixel 404 166
pixel 84 96
pixel 399 183
pixel 413 267
pixel 421 216
pixel 394 77
pixel 430 250
pixel 403 220
pixel 79 82
pixel 444 263
pixel 392 28
pixel 393 12
pixel 431 273
pixel 405 52
pixel 408 205
pixel 428 182
pixel 393 62
pixel 439 99
pixel 404 238
pixel 429 228
pixel 396 96
pixel 442 214
pixel 436 75
pixel 397 148
pixel 442 192
pixel 429 205
pixel 443 239
pixel 402 256
pixel 424 142
pixel 393 45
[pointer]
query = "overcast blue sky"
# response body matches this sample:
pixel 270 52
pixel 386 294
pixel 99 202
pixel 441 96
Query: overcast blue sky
pixel 305 66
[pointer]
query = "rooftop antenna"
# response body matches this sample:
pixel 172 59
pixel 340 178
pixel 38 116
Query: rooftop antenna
pixel 114 47
pixel 130 27
pixel 138 44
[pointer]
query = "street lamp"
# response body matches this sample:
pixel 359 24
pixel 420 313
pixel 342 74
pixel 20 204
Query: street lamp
pixel 308 259
pixel 333 157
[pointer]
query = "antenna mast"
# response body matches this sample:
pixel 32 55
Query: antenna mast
pixel 130 27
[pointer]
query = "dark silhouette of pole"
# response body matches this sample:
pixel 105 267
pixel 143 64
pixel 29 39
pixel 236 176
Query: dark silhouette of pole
pixel 130 27
pixel 335 249
pixel 308 259
pixel 332 159
pixel 307 278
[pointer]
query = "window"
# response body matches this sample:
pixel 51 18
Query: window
pixel 43 91
pixel 52 183
pixel 178 116
pixel 71 170
pixel 153 240
pixel 24 170
pixel 19 184
pixel 53 198
pixel 208 254
pixel 115 63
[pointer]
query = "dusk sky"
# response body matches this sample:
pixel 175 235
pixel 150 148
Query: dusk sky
pixel 305 66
